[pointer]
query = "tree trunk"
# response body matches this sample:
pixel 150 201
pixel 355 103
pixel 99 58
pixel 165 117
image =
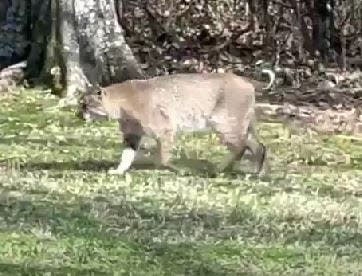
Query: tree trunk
pixel 13 39
pixel 343 58
pixel 94 50
pixel 253 17
pixel 320 14
pixel 4 5
pixel 332 29
pixel 74 44
pixel 38 18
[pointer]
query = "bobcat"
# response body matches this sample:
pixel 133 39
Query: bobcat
pixel 163 106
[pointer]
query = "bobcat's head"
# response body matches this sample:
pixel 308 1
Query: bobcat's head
pixel 91 108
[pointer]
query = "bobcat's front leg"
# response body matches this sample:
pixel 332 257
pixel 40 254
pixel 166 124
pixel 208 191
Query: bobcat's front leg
pixel 132 142
pixel 132 134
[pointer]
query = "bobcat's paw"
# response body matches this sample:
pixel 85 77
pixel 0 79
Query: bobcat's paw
pixel 116 172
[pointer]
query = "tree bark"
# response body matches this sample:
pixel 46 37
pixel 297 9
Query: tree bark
pixel 253 19
pixel 74 44
pixel 319 27
pixel 38 18
pixel 343 57
pixel 332 28
pixel 94 50
pixel 13 39
pixel 4 5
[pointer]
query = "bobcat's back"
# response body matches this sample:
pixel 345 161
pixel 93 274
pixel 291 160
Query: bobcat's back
pixel 185 101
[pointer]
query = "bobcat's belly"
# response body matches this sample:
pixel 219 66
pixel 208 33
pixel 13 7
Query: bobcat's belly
pixel 192 123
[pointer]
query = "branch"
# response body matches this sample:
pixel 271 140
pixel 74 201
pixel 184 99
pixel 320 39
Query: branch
pixel 281 4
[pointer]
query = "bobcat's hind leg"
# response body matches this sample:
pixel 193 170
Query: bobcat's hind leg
pixel 232 135
pixel 236 153
pixel 259 153
pixel 164 148
pixel 256 147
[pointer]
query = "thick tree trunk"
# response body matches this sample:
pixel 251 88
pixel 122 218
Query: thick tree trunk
pixel 13 39
pixel 4 5
pixel 94 50
pixel 74 44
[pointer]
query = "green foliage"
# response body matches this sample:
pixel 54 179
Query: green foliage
pixel 61 213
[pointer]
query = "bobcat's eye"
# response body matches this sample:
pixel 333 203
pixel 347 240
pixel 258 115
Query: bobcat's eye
pixel 99 92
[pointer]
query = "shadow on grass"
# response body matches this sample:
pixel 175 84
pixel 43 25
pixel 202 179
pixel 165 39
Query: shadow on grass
pixel 21 141
pixel 199 168
pixel 95 229
pixel 87 165
pixel 69 142
pixel 189 166
pixel 127 235
pixel 33 269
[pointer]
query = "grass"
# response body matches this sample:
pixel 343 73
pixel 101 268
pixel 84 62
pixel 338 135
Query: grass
pixel 62 214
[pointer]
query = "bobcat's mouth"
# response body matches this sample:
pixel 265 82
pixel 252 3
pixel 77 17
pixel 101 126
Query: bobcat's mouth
pixel 92 109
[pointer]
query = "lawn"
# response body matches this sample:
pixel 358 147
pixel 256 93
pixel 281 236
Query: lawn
pixel 62 214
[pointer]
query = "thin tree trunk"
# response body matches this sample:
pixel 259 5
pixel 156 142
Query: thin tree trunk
pixel 331 28
pixel 253 18
pixel 343 35
pixel 37 36
pixel 343 64
pixel 53 71
pixel 319 27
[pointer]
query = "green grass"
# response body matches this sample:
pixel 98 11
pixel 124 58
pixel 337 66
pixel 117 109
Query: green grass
pixel 61 214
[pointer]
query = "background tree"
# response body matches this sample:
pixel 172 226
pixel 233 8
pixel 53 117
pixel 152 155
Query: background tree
pixel 74 44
